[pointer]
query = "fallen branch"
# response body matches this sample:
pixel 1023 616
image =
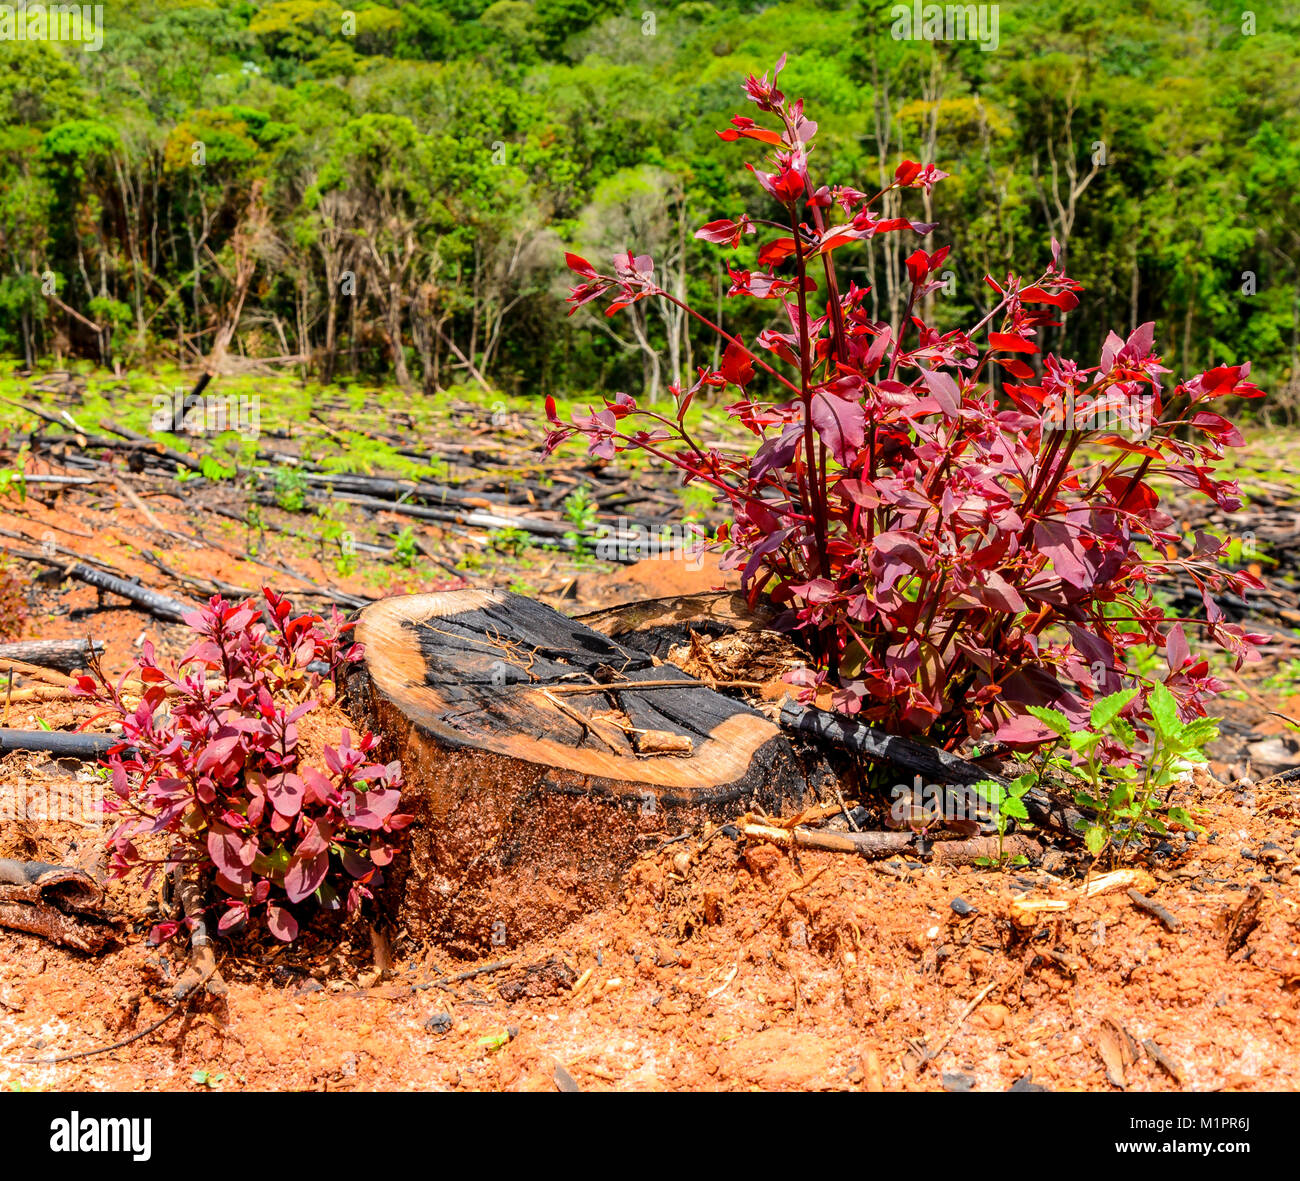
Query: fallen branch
pixel 867 844
pixel 1162 1060
pixel 64 655
pixel 158 449
pixel 55 1059
pixel 917 758
pixel 1152 907
pixel 931 1054
pixel 162 606
pixel 888 844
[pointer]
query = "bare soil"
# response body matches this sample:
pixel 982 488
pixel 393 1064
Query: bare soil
pixel 723 963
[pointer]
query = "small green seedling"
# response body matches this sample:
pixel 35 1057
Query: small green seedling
pixel 1008 805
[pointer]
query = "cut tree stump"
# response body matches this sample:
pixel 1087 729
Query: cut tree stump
pixel 533 795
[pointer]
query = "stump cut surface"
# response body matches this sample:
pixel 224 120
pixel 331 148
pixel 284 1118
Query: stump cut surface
pixel 535 768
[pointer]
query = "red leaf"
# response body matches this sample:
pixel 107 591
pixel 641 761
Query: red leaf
pixel 281 924
pixel 747 129
pixel 737 367
pixel 1009 343
pixel 840 423
pixel 578 264
pixel 285 792
pixel 1065 300
pixel 944 390
pixel 776 251
pixel 725 232
pixel 1016 368
pixel 305 874
pixel 906 173
pixel 1023 730
pixel 1218 427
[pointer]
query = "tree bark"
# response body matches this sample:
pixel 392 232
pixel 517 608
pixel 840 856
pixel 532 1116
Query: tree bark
pixel 530 804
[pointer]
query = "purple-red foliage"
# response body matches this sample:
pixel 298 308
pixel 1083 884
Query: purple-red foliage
pixel 211 755
pixel 950 553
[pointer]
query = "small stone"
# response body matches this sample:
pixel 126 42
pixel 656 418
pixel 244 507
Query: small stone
pixel 439 1023
pixel 956 1081
pixel 1026 1083
pixel 961 907
pixel 994 1016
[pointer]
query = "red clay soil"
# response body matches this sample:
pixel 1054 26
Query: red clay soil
pixel 732 966
pixel 724 964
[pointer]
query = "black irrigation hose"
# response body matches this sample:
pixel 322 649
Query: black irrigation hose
pixel 58 743
pixel 919 758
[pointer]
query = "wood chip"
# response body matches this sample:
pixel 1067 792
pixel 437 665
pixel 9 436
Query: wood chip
pixel 1111 1050
pixel 1152 907
pixel 1162 1060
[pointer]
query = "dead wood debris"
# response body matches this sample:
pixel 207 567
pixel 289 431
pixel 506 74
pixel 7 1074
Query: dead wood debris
pixel 56 902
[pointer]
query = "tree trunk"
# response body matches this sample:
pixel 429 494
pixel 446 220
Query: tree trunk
pixel 532 793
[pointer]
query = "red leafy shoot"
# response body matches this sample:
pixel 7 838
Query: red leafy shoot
pixel 211 756
pixel 959 527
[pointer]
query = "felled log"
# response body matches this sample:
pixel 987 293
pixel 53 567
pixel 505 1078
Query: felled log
pixel 56 902
pixel 529 803
pixel 64 655
pixel 160 605
pixel 386 488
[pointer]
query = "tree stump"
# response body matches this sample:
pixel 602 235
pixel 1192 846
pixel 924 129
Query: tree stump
pixel 535 767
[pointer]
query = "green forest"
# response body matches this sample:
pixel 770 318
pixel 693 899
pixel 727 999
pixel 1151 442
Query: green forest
pixel 385 192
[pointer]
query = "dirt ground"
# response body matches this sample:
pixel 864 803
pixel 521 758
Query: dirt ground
pixel 725 964
pixel 731 965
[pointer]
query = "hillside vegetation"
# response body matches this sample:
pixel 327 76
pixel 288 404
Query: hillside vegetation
pixel 386 191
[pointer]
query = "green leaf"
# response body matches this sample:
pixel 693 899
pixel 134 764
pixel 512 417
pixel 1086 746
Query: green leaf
pixel 1125 733
pixel 1052 718
pixel 1199 731
pixel 1082 741
pixel 1108 709
pixel 1095 839
pixel 1014 808
pixel 1022 783
pixel 1164 710
pixel 1120 795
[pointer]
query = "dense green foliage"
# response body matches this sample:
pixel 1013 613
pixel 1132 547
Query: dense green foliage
pixel 387 190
